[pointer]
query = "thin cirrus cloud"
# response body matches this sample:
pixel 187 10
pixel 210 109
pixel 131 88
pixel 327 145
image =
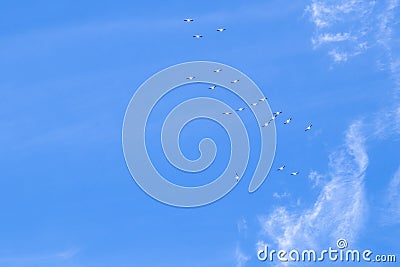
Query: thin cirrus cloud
pixel 393 200
pixel 316 178
pixel 56 258
pixel 281 195
pixel 242 226
pixel 344 27
pixel 240 257
pixel 330 38
pixel 349 28
pixel 338 211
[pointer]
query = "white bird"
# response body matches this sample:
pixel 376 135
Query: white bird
pixel 190 77
pixel 188 20
pixel 263 99
pixel 237 177
pixel 266 124
pixel 240 109
pixel 288 121
pixel 294 173
pixel 277 113
pixel 217 70
pixel 308 128
pixel 221 29
pixel 273 118
pixel 234 81
pixel 254 104
pixel 281 168
pixel 198 36
pixel 227 113
pixel 212 87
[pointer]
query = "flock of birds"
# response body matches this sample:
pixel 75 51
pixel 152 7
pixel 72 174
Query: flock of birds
pixel 198 36
pixel 274 115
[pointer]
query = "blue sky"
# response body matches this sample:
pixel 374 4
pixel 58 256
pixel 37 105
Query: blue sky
pixel 69 71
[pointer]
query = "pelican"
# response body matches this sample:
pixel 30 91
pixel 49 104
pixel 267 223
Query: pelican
pixel 190 78
pixel 237 177
pixel 188 20
pixel 308 128
pixel 217 70
pixel 212 87
pixel 281 168
pixel 234 81
pixel 240 109
pixel 294 173
pixel 221 29
pixel 227 113
pixel 263 99
pixel 198 36
pixel 288 121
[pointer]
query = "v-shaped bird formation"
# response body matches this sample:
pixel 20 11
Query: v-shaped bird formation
pixel 253 104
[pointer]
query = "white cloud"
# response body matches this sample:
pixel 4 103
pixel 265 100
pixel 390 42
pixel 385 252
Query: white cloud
pixel 392 215
pixel 344 26
pixel 330 38
pixel 242 226
pixel 282 195
pixel 386 123
pixel 325 13
pixel 339 210
pixel 385 38
pixel 338 56
pixel 316 178
pixel 241 258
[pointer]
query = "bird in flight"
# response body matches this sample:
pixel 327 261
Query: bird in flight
pixel 254 104
pixel 281 168
pixel 221 29
pixel 188 20
pixel 212 87
pixel 198 36
pixel 234 81
pixel 266 123
pixel 277 113
pixel 263 99
pixel 294 173
pixel 190 78
pixel 288 121
pixel 217 70
pixel 237 177
pixel 240 109
pixel 308 128
pixel 227 113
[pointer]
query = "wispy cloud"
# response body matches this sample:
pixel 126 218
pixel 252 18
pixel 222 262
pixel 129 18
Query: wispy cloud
pixel 385 37
pixel 242 226
pixel 315 178
pixel 339 56
pixel 330 38
pixel 327 13
pixel 347 28
pixel 344 27
pixel 37 259
pixel 392 211
pixel 281 195
pixel 241 258
pixel 339 210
